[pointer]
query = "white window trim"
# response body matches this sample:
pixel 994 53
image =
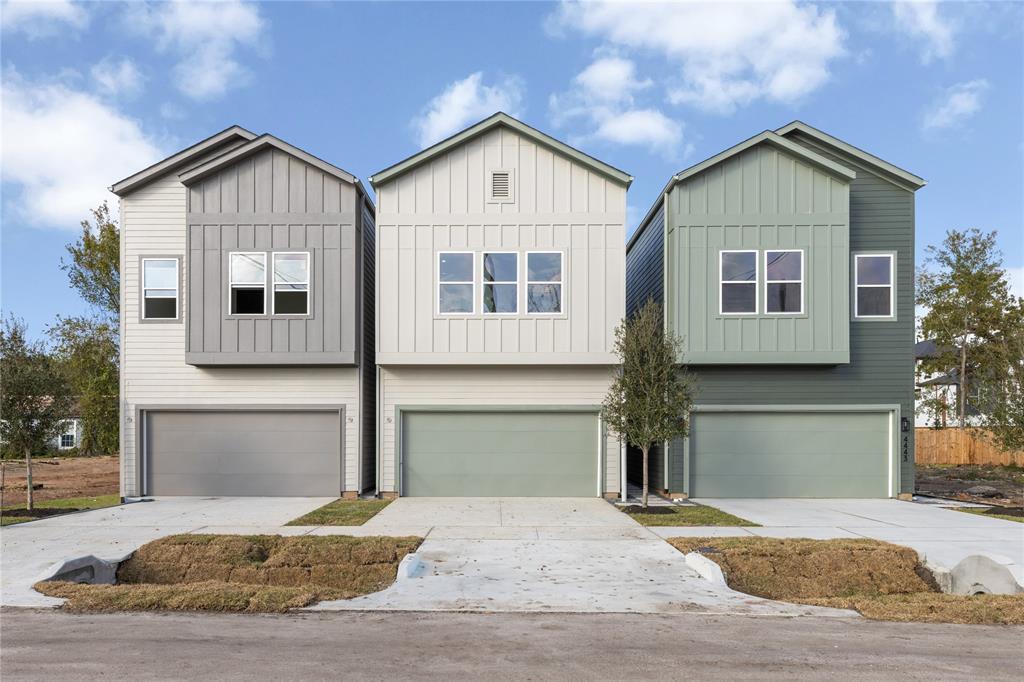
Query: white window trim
pixel 70 430
pixel 803 287
pixel 491 199
pixel 891 285
pixel 232 283
pixel 560 282
pixel 756 282
pixel 438 283
pixel 177 288
pixel 274 282
pixel 484 283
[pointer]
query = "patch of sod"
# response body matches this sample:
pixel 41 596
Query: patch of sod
pixel 880 580
pixel 695 515
pixel 16 513
pixel 341 513
pixel 1006 514
pixel 254 573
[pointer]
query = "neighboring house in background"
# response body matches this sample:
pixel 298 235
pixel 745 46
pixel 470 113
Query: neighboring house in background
pixel 786 264
pixel 246 323
pixel 70 436
pixel 937 394
pixel 500 265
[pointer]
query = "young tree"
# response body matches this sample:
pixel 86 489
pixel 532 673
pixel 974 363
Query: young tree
pixel 95 265
pixel 650 397
pixel 35 399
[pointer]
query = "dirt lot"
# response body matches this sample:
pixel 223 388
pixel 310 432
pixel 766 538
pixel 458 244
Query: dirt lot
pixel 1006 483
pixel 62 477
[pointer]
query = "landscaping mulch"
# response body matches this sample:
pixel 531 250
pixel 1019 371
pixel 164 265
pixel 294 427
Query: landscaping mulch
pixel 1003 485
pixel 341 513
pixel 1005 513
pixel 16 513
pixel 256 573
pixel 880 580
pixel 683 515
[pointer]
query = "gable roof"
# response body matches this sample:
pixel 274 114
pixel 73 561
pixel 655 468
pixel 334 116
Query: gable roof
pixel 500 119
pixel 232 134
pixel 254 146
pixel 894 173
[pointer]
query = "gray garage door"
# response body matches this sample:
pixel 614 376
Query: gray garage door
pixel 243 453
pixel 800 454
pixel 490 454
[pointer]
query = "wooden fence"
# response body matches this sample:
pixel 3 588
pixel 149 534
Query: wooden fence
pixel 959 446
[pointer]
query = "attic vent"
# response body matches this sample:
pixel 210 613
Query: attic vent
pixel 501 185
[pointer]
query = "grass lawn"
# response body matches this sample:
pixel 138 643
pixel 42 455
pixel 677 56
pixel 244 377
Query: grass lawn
pixel 250 573
pixel 697 515
pixel 16 513
pixel 341 513
pixel 992 512
pixel 880 580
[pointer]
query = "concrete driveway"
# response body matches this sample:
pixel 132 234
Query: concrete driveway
pixel 27 550
pixel 943 536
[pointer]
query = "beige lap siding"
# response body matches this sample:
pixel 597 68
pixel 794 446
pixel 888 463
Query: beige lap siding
pixel 490 386
pixel 153 363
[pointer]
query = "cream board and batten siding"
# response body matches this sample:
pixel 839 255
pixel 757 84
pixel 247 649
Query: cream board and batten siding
pixel 153 358
pixel 452 387
pixel 559 205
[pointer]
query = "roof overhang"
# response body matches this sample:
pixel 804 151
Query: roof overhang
pixel 265 141
pixel 494 121
pixel 182 158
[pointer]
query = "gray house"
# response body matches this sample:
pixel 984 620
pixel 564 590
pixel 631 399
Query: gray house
pixel 501 262
pixel 246 323
pixel 786 264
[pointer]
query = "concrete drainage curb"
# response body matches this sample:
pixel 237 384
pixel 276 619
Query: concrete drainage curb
pixel 410 567
pixel 707 568
pixel 87 569
pixel 976 574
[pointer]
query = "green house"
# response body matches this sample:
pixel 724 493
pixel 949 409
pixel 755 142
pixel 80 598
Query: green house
pixel 786 264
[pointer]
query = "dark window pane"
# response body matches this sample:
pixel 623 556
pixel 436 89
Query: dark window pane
pixel 739 267
pixel 544 267
pixel 544 298
pixel 739 298
pixel 500 267
pixel 783 265
pixel 456 298
pixel 873 270
pixel 456 267
pixel 873 301
pixel 247 300
pixel 783 298
pixel 290 302
pixel 500 298
pixel 160 309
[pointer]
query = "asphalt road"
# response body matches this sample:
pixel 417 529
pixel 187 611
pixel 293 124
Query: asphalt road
pixel 49 645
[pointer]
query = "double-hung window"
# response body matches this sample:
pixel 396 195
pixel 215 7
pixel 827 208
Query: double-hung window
pixel 159 288
pixel 544 278
pixel 784 282
pixel 501 283
pixel 248 282
pixel 291 283
pixel 873 276
pixel 737 282
pixel 455 283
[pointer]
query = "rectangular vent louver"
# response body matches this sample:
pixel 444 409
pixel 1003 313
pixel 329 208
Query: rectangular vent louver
pixel 501 185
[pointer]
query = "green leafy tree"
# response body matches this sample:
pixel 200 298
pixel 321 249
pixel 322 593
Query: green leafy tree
pixel 35 398
pixel 88 351
pixel 95 265
pixel 650 398
pixel 977 326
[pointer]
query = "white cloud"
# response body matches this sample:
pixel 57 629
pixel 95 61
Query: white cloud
pixel 647 127
pixel 611 79
pixel 62 148
pixel 958 104
pixel 726 54
pixel 41 19
pixel 206 37
pixel 117 77
pixel 921 20
pixel 464 102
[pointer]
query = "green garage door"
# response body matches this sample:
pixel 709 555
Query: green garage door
pixel 789 454
pixel 491 454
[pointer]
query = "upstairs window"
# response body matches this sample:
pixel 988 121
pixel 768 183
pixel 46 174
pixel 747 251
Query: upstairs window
pixel 737 282
pixel 159 288
pixel 501 288
pixel 455 283
pixel 873 285
pixel 291 283
pixel 544 282
pixel 784 282
pixel 248 281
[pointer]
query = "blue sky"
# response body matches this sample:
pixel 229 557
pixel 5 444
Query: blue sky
pixel 95 91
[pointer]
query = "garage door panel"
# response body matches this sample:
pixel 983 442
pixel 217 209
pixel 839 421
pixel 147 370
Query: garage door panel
pixel 240 453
